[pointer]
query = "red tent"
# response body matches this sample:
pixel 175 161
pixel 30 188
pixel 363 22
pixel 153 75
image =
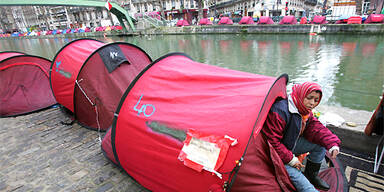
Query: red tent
pixel 375 18
pixel 187 126
pixel 303 20
pixel 246 20
pixel 24 84
pixel 225 21
pixel 205 21
pixel 88 77
pixel 354 20
pixel 265 20
pixel 176 99
pixel 319 19
pixel 182 22
pixel 288 20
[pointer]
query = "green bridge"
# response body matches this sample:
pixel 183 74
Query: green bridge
pixel 118 11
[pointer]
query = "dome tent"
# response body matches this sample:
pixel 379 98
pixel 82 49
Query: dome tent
pixel 88 77
pixel 317 19
pixel 182 22
pixel 24 84
pixel 225 21
pixel 265 20
pixel 205 21
pixel 200 101
pixel 187 126
pixel 288 20
pixel 246 20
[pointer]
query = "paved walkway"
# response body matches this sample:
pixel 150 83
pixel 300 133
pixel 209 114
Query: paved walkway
pixel 38 153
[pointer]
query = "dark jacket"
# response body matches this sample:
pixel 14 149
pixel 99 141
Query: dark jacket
pixel 282 128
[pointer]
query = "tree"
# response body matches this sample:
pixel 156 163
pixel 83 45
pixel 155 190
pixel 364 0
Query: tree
pixel 358 7
pixel 200 5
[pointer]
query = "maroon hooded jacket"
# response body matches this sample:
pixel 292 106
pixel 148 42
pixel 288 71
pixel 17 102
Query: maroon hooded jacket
pixel 282 128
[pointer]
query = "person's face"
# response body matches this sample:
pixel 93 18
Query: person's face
pixel 311 100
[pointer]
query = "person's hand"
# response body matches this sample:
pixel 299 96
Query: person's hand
pixel 298 165
pixel 334 153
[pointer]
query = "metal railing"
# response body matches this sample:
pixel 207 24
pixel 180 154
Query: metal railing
pixel 153 21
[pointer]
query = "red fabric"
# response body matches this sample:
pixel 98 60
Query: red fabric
pixel 184 94
pixel 106 146
pixel 182 23
pixel 334 175
pixel 205 21
pixel 287 20
pixel 319 19
pixel 375 18
pixel 300 91
pixel 225 21
pixel 354 20
pixel 8 54
pixel 25 63
pixel 66 66
pixel 108 5
pixel 24 85
pixel 246 20
pixel 274 129
pixel 315 132
pixel 265 20
pixel 105 89
pixel 262 169
pixel 303 20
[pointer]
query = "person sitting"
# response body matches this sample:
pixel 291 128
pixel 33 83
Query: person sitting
pixel 292 130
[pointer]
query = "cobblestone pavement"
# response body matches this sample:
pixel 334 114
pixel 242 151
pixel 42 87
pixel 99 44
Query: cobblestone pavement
pixel 39 153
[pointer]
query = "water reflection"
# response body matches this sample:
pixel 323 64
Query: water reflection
pixel 349 68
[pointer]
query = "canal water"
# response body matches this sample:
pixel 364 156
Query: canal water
pixel 349 68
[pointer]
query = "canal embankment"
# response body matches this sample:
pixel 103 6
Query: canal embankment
pixel 363 29
pixel 351 129
pixel 325 29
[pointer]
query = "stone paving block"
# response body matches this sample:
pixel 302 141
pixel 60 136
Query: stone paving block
pixel 41 154
pixel 78 175
pixel 105 187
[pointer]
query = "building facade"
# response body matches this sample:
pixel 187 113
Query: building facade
pixel 44 18
pixel 226 7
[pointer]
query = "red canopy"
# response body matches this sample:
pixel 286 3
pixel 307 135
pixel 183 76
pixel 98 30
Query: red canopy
pixel 66 66
pixel 246 20
pixel 177 110
pixel 205 21
pixel 225 21
pixel 182 23
pixel 89 77
pixel 24 84
pixel 288 20
pixel 303 20
pixel 8 54
pixel 319 19
pixel 375 18
pixel 265 20
pixel 354 20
